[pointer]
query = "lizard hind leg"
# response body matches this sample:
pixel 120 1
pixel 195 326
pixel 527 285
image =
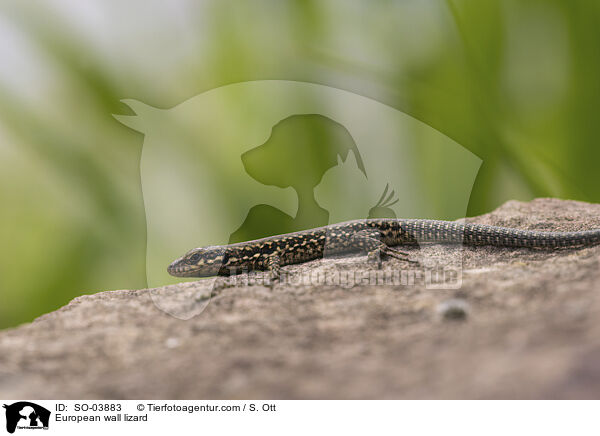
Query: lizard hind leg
pixel 370 241
pixel 397 254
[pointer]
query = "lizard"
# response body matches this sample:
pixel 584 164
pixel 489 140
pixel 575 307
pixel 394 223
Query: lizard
pixel 378 238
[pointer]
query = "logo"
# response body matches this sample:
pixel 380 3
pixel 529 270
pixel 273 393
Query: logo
pixel 26 415
pixel 254 159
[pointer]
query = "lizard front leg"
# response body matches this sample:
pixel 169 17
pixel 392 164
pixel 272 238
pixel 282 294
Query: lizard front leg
pixel 274 269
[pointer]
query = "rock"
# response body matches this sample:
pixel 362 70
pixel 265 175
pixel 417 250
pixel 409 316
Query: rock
pixel 533 331
pixel 454 309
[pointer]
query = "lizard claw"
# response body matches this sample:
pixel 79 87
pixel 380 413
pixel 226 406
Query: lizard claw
pixel 400 255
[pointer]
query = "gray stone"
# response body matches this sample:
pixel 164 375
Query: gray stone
pixel 533 331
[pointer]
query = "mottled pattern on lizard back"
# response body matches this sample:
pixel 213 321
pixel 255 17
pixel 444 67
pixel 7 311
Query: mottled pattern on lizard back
pixel 363 235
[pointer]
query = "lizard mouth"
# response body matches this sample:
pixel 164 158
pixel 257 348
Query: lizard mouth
pixel 180 269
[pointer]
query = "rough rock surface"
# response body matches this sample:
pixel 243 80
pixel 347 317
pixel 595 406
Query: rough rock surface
pixel 524 324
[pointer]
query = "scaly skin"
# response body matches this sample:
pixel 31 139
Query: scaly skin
pixel 373 236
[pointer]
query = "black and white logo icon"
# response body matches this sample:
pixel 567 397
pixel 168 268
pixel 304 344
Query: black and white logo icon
pixel 26 415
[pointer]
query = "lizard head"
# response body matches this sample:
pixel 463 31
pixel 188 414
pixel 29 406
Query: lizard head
pixel 201 262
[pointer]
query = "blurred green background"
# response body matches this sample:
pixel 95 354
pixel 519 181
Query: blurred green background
pixel 515 82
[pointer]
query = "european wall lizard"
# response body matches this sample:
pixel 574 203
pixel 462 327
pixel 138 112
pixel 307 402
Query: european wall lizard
pixel 376 237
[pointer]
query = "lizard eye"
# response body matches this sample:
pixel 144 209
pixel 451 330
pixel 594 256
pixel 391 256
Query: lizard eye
pixel 194 257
